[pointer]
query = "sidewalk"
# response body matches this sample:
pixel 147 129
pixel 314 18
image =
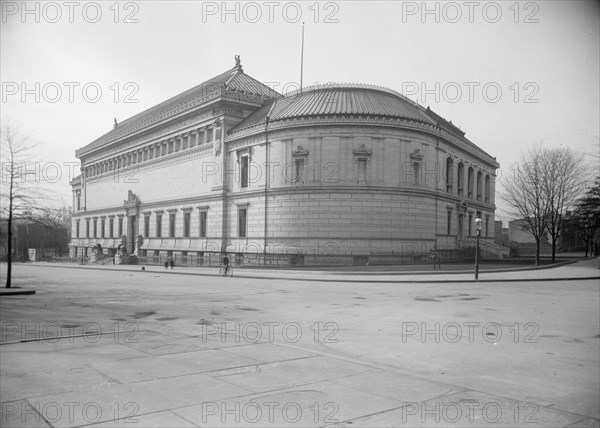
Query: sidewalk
pixel 110 347
pixel 583 269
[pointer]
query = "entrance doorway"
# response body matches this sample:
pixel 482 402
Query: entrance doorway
pixel 131 233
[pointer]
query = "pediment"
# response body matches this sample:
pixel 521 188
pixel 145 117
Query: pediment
pixel 416 156
pixel 132 200
pixel 300 152
pixel 362 151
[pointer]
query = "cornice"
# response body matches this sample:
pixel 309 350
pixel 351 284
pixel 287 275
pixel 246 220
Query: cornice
pixel 366 120
pixel 361 189
pixel 162 133
pixel 156 206
pixel 152 164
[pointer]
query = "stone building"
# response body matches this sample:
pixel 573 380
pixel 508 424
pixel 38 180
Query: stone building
pixel 233 166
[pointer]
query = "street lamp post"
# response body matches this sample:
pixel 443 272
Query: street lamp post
pixel 478 231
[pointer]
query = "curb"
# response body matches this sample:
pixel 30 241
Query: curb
pixel 448 272
pixel 16 291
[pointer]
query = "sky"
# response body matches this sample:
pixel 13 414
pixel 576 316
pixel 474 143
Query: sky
pixel 509 74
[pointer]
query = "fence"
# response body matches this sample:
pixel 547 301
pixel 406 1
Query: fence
pixel 199 259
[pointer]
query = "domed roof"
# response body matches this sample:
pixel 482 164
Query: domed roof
pixel 338 99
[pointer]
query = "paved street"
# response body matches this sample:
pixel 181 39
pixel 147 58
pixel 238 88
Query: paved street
pixel 106 347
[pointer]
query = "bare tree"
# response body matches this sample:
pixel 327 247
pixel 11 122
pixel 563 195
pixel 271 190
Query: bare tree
pixel 565 176
pixel 524 193
pixel 587 215
pixel 21 195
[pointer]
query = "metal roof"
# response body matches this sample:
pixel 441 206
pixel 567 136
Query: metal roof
pixel 233 80
pixel 339 99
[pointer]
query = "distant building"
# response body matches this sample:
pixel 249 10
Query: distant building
pixel 48 242
pixel 520 237
pixel 233 166
pixel 500 233
pixel 569 238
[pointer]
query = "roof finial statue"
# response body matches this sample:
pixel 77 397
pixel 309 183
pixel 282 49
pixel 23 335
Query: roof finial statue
pixel 237 61
pixel 115 125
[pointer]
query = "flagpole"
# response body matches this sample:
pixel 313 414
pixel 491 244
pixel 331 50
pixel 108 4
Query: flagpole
pixel 302 59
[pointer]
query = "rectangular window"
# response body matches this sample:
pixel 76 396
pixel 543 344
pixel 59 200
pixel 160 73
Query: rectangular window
pixel 449 229
pixel 77 229
pixel 78 201
pixel 147 225
pixel 244 171
pixel 186 225
pixel 417 173
pixel 172 225
pixel 470 224
pixel 102 226
pixel 362 170
pixel 242 216
pixel 95 228
pixel 87 228
pixel 170 146
pixel 158 225
pixel 209 135
pixel 299 170
pixel 120 230
pixel 111 228
pixel 487 226
pixel 202 224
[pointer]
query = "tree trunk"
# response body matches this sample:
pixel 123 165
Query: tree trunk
pixel 554 239
pixel 9 252
pixel 537 251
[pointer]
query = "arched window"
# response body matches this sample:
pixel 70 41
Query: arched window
pixel 487 189
pixel 460 179
pixel 449 175
pixel 479 185
pixel 470 183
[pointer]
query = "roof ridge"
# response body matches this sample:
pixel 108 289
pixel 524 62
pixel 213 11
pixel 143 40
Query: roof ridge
pixel 173 98
pixel 351 85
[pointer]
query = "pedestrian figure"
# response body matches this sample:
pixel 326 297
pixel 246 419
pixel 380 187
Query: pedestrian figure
pixel 226 263
pixel 167 264
pixel 172 263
